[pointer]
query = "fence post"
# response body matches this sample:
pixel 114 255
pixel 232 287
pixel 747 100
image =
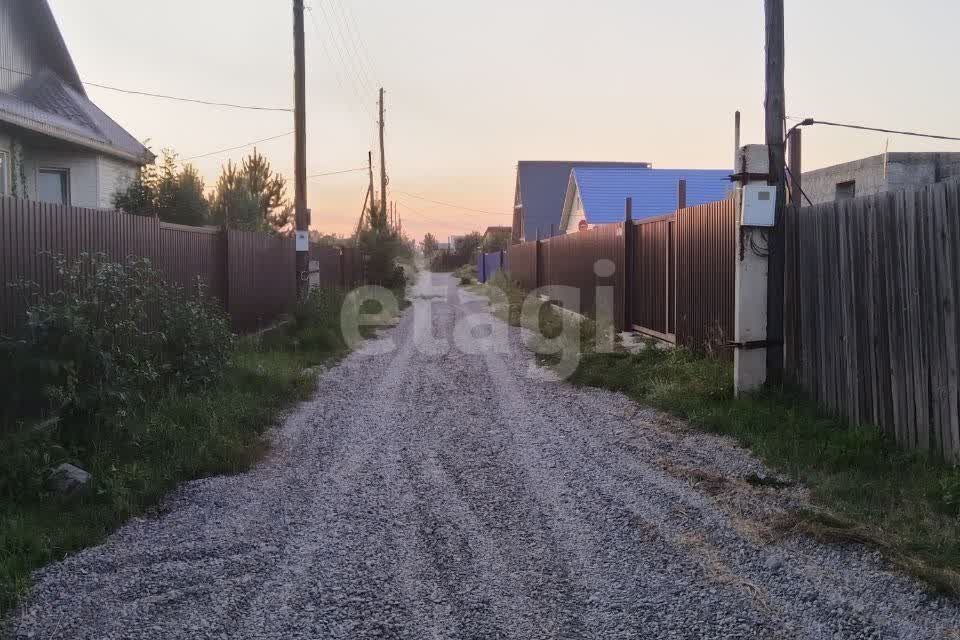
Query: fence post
pixel 503 260
pixel 225 240
pixel 628 260
pixel 536 262
pixel 343 271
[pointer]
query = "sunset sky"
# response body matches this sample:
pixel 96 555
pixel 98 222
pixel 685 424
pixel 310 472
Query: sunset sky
pixel 473 87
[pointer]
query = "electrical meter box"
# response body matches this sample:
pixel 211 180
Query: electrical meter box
pixel 759 205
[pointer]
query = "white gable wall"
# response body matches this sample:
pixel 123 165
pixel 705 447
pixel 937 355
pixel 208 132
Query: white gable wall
pixel 573 212
pixel 114 175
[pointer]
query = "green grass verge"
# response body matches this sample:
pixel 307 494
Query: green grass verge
pixel 864 488
pixel 177 438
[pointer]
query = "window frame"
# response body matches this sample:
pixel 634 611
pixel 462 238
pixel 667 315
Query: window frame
pixel 64 174
pixel 848 188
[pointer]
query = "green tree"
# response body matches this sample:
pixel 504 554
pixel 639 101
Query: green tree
pixel 498 240
pixel 171 193
pixel 469 245
pixel 430 245
pixel 252 197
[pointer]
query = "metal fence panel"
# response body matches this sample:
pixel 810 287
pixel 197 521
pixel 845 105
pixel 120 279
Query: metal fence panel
pixel 652 299
pixel 706 247
pixel 258 267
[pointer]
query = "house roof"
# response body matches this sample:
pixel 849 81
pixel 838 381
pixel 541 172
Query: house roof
pixel 543 187
pixel 52 101
pixel 497 230
pixel 603 191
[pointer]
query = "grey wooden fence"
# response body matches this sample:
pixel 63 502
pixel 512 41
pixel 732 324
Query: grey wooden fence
pixel 871 328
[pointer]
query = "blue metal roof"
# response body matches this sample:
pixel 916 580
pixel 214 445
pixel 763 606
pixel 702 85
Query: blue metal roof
pixel 603 191
pixel 543 188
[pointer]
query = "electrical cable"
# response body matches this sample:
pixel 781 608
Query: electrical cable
pixel 454 206
pixel 242 146
pixel 811 121
pixel 335 173
pixel 789 176
pixel 162 96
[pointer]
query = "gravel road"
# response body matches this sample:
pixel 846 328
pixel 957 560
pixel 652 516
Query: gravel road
pixel 430 493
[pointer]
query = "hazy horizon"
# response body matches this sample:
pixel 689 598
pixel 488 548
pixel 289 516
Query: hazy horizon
pixel 473 89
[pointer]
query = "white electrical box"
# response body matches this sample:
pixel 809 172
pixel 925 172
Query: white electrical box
pixel 303 241
pixel 759 205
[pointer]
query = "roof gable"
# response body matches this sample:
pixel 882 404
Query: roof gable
pixel 41 91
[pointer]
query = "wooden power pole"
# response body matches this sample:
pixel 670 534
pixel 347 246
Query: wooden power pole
pixel 302 215
pixel 775 104
pixel 383 163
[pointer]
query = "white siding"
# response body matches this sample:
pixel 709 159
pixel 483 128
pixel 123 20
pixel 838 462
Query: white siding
pixel 114 175
pixel 83 167
pixel 576 215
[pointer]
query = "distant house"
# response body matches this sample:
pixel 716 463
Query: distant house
pixel 539 194
pixel 597 195
pixel 55 144
pixel 879 174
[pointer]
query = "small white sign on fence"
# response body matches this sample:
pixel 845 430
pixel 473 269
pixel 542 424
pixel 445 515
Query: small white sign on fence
pixel 303 241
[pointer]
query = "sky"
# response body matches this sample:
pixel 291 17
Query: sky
pixel 474 87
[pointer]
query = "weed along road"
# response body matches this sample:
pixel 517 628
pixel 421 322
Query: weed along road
pixel 441 485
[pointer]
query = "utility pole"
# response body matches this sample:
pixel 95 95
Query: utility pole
pixel 383 163
pixel 796 170
pixel 775 104
pixel 302 215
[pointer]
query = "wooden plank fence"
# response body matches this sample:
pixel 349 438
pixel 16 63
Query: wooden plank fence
pixel 251 273
pixel 871 326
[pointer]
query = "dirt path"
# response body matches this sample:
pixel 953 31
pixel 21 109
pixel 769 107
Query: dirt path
pixel 429 493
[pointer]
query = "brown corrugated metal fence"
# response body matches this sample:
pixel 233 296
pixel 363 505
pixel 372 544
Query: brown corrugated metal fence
pixel 682 272
pixel 571 261
pixel 706 249
pixel 259 276
pixel 522 264
pixel 653 277
pixel 251 273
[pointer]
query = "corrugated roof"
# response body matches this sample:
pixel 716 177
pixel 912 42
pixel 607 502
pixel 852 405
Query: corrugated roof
pixel 48 97
pixel 543 187
pixel 603 191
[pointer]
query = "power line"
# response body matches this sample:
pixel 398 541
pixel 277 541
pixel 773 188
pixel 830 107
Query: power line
pixel 354 38
pixel 335 173
pixel 454 206
pixel 366 54
pixel 162 96
pixel 811 121
pixel 355 83
pixel 426 218
pixel 242 146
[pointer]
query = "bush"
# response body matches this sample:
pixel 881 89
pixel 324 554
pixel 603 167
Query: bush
pixel 112 336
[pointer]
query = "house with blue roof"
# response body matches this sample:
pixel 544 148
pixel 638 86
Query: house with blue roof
pixel 539 194
pixel 597 195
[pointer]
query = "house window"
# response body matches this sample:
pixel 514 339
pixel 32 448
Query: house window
pixel 846 190
pixel 4 173
pixel 53 185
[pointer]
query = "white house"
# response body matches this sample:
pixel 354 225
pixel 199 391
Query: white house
pixel 55 144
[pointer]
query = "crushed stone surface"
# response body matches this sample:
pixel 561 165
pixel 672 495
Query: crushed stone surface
pixel 426 492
